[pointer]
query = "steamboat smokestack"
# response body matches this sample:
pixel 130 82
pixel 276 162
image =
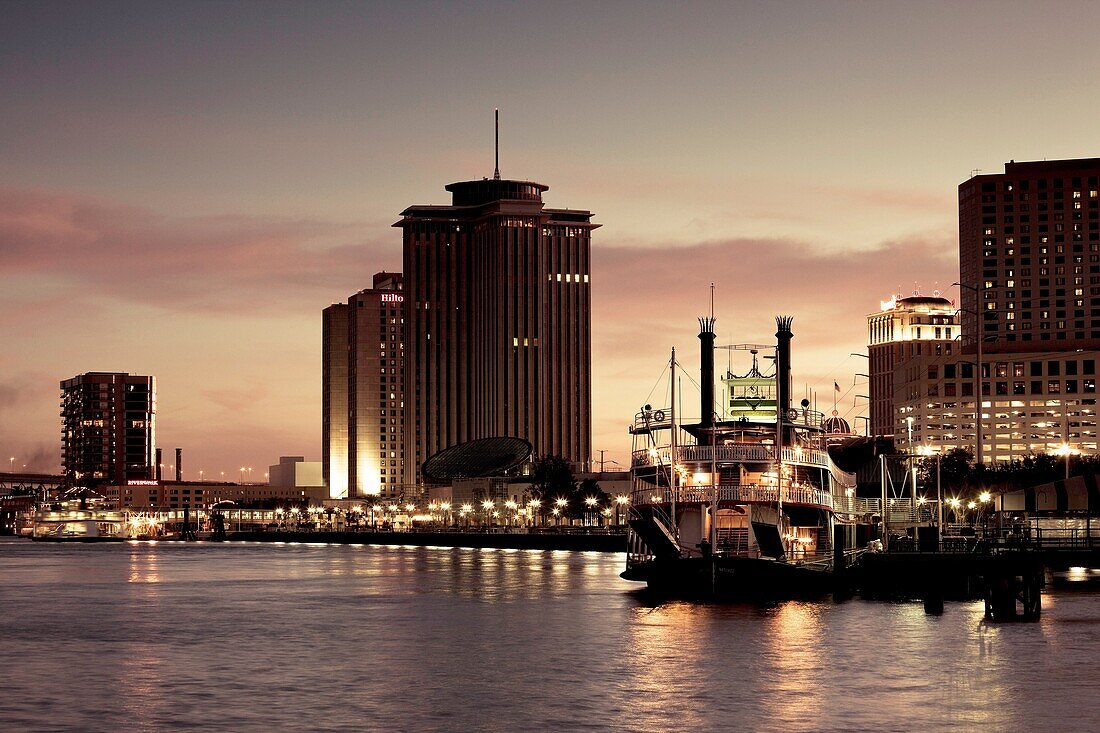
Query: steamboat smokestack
pixel 706 378
pixel 783 338
pixel 160 458
pixel 179 464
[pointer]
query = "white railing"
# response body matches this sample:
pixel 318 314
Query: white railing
pixel 899 511
pixel 747 494
pixel 735 453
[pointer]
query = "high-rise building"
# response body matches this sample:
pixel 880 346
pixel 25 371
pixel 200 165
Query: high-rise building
pixel 363 392
pixel 900 334
pixel 1029 254
pixel 497 321
pixel 334 399
pixel 108 427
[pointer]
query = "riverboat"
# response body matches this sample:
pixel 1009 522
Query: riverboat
pixel 66 523
pixel 746 500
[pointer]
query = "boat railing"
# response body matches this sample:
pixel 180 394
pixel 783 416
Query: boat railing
pixel 730 453
pixel 742 493
pixel 902 510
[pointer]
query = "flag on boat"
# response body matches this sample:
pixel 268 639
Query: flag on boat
pixel 836 386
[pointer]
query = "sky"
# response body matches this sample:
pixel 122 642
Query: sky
pixel 185 185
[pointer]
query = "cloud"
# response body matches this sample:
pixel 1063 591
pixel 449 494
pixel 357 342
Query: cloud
pixel 635 285
pixel 239 263
pixel 646 300
pixel 236 400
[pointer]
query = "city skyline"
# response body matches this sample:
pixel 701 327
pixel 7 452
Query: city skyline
pixel 238 202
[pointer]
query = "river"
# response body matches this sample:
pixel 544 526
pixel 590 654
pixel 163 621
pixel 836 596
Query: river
pixel 270 637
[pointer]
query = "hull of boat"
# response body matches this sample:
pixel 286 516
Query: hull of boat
pixel 55 538
pixel 732 577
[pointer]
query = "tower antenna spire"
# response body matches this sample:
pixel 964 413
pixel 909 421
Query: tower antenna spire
pixel 496 143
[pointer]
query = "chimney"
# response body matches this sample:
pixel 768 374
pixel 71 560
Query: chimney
pixel 706 379
pixel 179 464
pixel 783 337
pixel 160 459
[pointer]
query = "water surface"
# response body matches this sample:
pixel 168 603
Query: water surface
pixel 261 637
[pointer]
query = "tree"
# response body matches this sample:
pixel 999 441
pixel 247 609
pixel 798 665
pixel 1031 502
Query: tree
pixel 552 478
pixel 956 469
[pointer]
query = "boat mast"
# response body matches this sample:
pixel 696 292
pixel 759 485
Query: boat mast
pixel 673 469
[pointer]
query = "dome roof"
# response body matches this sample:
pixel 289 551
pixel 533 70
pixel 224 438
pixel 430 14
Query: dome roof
pixel 477 458
pixel 836 425
pixel 924 300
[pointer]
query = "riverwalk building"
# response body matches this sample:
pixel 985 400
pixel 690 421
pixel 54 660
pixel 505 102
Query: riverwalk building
pixel 108 427
pixel 150 494
pixel 498 322
pixel 363 392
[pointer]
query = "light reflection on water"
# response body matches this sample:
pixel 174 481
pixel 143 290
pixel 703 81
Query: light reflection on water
pixel 144 636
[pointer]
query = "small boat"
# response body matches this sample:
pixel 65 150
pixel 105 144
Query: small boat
pixel 745 501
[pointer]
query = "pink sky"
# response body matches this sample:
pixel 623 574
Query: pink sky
pixel 183 187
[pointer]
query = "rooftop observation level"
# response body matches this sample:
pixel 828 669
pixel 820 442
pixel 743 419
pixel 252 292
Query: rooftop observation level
pixel 488 190
pixel 471 199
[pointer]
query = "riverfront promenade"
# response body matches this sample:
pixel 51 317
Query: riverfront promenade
pixel 577 541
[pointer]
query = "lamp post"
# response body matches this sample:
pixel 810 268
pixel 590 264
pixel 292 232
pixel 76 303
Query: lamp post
pixel 979 337
pixel 620 503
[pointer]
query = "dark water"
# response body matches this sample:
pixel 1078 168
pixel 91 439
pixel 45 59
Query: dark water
pixel 282 637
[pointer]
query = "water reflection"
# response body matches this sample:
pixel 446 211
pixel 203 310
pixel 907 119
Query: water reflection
pixel 250 637
pixel 795 646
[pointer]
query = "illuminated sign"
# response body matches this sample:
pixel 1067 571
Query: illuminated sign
pixel 142 482
pixel 392 298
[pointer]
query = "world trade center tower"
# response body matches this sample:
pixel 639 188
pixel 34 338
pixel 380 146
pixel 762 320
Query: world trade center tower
pixel 498 321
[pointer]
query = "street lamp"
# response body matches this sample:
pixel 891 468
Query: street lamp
pixel 560 504
pixel 1065 452
pixel 591 503
pixel 620 504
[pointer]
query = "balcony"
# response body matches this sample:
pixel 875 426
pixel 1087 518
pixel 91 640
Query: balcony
pixel 738 494
pixel 732 453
